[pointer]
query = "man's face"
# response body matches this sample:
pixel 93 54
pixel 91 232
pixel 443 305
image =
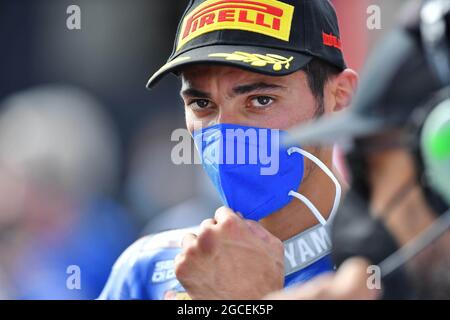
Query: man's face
pixel 215 94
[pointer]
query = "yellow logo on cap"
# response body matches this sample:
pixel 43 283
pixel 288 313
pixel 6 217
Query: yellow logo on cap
pixel 257 60
pixel 269 17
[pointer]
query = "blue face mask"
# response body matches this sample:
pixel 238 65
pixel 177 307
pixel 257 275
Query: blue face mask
pixel 252 172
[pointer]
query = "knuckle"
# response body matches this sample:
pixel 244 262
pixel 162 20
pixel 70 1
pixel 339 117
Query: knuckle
pixel 205 223
pixel 224 212
pixel 230 218
pixel 230 222
pixel 188 240
pixel 190 252
pixel 205 234
pixel 207 240
pixel 220 211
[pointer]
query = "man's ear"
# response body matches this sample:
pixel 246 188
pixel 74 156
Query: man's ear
pixel 344 86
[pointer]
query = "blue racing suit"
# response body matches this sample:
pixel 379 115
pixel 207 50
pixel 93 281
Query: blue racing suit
pixel 146 269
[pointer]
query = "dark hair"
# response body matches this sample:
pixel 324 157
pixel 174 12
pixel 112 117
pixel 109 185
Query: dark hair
pixel 318 73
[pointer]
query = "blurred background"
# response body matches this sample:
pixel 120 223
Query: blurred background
pixel 85 165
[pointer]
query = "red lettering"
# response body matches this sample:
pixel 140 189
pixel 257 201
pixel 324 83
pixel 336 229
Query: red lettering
pixel 326 40
pixel 260 20
pixel 243 17
pixel 337 43
pixel 226 15
pixel 207 19
pixel 276 24
pixel 331 41
pixel 241 4
pixel 195 26
pixel 226 11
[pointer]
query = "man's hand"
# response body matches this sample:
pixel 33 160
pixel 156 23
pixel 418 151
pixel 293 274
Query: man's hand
pixel 231 258
pixel 348 283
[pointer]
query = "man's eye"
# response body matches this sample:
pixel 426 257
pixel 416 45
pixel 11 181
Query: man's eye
pixel 261 101
pixel 199 104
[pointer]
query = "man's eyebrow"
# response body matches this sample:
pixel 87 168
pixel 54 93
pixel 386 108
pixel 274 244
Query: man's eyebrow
pixel 195 93
pixel 247 88
pixel 239 90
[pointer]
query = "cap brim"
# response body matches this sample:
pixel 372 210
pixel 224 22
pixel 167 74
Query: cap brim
pixel 263 60
pixel 330 130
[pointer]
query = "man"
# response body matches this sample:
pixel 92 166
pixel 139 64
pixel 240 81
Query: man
pixel 252 67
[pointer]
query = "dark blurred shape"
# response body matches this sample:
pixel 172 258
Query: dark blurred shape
pixel 58 167
pixel 120 43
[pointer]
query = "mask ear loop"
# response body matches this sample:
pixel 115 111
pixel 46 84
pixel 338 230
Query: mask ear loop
pixel 328 172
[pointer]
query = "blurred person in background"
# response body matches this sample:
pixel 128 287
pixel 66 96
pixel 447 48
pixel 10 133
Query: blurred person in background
pixel 58 167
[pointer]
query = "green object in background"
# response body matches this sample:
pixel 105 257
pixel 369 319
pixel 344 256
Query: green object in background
pixel 440 143
pixel 436 148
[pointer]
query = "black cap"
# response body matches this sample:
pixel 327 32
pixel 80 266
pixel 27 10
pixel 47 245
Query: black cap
pixel 266 36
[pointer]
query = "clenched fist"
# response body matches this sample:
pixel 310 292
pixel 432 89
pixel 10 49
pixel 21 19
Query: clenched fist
pixel 231 258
